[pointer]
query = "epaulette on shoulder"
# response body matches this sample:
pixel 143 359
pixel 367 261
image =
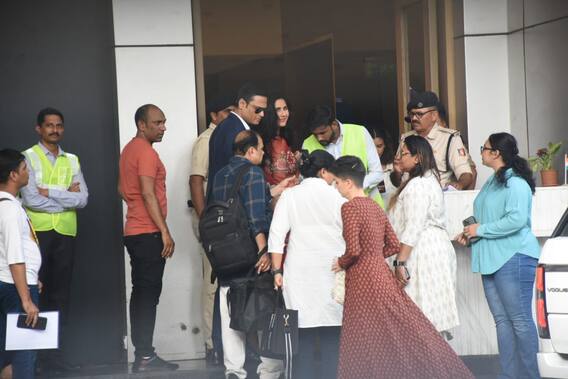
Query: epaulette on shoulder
pixel 449 131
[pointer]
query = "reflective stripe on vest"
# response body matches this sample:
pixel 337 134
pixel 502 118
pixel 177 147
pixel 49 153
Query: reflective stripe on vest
pixel 58 176
pixel 353 144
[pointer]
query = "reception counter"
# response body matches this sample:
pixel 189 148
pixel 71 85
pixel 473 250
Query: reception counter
pixel 476 333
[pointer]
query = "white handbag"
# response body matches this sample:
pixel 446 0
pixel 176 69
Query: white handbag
pixel 338 290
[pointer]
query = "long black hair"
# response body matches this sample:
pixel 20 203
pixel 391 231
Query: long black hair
pixel 420 147
pixel 269 129
pixel 311 164
pixel 388 153
pixel 506 144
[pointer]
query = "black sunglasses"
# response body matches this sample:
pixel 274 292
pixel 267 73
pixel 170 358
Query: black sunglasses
pixel 257 109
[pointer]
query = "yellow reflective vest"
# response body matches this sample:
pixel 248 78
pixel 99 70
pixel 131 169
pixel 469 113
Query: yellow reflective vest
pixel 57 176
pixel 353 144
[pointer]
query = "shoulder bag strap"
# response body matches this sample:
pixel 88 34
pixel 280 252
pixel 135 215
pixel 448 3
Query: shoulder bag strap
pixel 279 299
pixel 238 179
pixel 235 187
pixel 448 168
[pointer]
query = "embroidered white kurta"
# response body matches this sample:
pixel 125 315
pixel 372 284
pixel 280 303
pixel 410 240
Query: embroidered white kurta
pixel 419 220
pixel 311 211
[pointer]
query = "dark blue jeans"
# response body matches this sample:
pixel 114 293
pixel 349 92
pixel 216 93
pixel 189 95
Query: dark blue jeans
pixel 23 361
pixel 509 294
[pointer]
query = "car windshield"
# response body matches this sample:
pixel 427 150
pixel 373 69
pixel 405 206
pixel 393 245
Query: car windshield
pixel 561 229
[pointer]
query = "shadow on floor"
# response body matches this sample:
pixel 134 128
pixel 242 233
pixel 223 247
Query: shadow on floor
pixel 484 367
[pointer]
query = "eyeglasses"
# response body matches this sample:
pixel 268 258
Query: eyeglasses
pixel 483 148
pixel 258 109
pixel 418 115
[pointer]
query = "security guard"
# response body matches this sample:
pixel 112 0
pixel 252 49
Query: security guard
pixel 345 139
pixel 451 156
pixel 56 188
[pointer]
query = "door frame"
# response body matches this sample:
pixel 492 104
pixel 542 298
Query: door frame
pixel 431 66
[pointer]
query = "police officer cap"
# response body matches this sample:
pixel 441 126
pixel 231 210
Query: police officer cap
pixel 422 100
pixel 219 103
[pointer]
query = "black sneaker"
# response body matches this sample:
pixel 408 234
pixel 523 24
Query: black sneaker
pixel 212 358
pixel 153 363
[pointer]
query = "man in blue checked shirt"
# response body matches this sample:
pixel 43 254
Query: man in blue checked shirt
pixel 257 200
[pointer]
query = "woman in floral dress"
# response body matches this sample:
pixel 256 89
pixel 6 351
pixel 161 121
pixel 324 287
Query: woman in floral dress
pixel 384 334
pixel 280 158
pixel 418 216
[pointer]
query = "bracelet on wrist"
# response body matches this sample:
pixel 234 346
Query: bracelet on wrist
pixel 399 263
pixel 277 271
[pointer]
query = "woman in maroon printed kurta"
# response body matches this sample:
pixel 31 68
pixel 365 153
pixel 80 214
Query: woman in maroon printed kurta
pixel 384 334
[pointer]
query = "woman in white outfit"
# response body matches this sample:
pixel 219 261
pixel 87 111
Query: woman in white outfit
pixel 311 213
pixel 417 214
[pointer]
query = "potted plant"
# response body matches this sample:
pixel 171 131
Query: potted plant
pixel 543 163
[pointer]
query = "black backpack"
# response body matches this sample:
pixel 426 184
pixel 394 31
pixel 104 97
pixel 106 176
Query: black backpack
pixel 225 234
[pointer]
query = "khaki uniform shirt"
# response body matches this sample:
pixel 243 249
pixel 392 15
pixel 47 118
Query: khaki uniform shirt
pixel 200 154
pixel 459 158
pixel 200 163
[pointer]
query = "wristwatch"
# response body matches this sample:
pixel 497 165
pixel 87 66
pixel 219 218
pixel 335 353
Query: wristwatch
pixel 277 271
pixel 399 263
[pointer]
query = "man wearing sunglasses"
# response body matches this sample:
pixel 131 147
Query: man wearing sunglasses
pixel 251 103
pixel 450 153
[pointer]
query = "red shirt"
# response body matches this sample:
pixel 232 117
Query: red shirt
pixel 138 158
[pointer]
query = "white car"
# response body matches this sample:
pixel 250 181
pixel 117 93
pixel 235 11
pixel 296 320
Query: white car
pixel 551 303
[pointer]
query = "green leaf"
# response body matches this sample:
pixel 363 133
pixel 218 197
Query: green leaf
pixel 553 148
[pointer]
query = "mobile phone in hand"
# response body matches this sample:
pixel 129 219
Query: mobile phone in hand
pixel 470 221
pixel 41 323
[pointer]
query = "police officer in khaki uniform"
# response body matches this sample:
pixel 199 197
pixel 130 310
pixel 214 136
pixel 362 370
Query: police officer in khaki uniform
pixel 218 110
pixel 452 158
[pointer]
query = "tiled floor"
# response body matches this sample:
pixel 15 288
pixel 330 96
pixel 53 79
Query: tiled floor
pixel 484 367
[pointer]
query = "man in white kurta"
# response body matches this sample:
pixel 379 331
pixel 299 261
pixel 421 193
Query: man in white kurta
pixel 311 212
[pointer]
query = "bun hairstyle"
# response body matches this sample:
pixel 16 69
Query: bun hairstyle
pixel 349 167
pixel 506 144
pixel 311 164
pixel 418 147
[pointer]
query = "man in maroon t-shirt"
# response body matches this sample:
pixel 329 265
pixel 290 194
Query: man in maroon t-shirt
pixel 147 238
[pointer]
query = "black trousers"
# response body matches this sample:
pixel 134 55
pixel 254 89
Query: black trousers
pixel 57 256
pixel 147 270
pixel 318 353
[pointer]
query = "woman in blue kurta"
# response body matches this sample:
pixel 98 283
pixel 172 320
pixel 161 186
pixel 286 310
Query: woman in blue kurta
pixel 507 253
